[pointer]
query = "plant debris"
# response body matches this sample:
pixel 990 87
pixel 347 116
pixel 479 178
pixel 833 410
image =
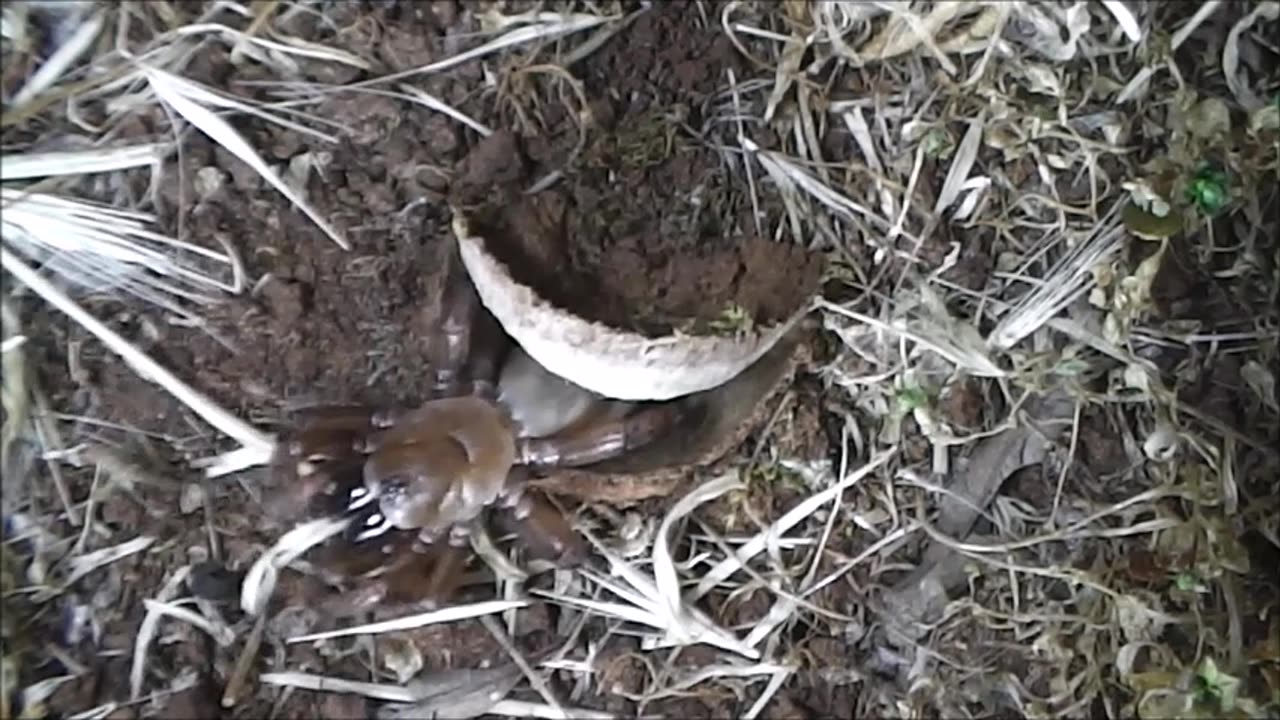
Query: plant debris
pixel 1026 470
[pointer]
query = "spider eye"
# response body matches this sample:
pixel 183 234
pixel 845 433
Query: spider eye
pixel 398 504
pixel 390 491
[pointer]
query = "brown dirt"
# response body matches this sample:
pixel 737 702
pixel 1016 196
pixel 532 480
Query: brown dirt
pixel 324 325
pixel 655 277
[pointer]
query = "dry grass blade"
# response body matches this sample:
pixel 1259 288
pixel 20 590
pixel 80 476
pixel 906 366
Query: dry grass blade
pixel 1068 280
pixel 667 581
pixel 456 694
pixel 408 695
pixel 147 630
pixel 702 674
pixel 953 339
pixel 780 676
pixel 60 61
pixel 260 582
pixel 518 660
pixel 906 31
pixel 790 519
pixel 962 164
pixel 33 696
pixel 1269 10
pixel 411 622
pixel 221 634
pixel 283 47
pixel 1124 16
pixel 87 563
pixel 188 100
pixel 658 602
pixel 15 392
pixel 156 610
pixel 428 100
pixel 537 26
pixel 23 166
pixel 98 248
pixel 787 174
pixel 324 683
pixel 256 447
pixel 523 709
pixel 231 694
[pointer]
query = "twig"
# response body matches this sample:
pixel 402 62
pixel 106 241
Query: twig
pixel 50 439
pixel 240 672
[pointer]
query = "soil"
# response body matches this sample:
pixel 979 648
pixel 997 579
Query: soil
pixel 597 250
pixel 657 229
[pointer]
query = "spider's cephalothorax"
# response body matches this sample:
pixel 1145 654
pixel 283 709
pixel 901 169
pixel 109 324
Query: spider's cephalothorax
pixel 433 472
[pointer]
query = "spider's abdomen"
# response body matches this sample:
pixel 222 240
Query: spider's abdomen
pixel 540 404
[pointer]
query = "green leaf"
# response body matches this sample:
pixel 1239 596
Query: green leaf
pixel 937 144
pixel 910 398
pixel 1208 190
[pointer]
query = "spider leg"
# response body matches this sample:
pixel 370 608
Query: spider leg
pixel 362 599
pixel 489 345
pixel 513 496
pixel 323 459
pixel 460 536
pixel 598 441
pixel 405 575
pixel 318 446
pixel 544 531
pixel 334 417
pixel 428 536
pixel 451 343
pixel 326 433
pixel 445 577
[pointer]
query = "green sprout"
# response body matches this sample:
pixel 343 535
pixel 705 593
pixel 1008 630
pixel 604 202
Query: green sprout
pixel 770 475
pixel 1208 190
pixel 1186 582
pixel 733 320
pixel 1214 687
pixel 910 398
pixel 937 144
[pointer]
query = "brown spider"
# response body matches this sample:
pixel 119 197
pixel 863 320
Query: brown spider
pixel 421 479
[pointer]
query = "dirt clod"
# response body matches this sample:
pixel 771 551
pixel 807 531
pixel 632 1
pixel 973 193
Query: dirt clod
pixel 284 300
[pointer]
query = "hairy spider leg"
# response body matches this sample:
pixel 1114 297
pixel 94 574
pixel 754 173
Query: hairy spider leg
pixel 543 530
pixel 489 349
pixel 401 573
pixel 356 418
pixel 451 344
pixel 317 462
pixel 446 575
pixel 600 441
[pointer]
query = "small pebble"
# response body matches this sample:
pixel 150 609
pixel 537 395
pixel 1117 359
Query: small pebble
pixel 192 498
pixel 209 182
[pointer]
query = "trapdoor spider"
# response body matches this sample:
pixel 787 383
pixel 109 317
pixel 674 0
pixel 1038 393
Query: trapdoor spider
pixel 424 477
